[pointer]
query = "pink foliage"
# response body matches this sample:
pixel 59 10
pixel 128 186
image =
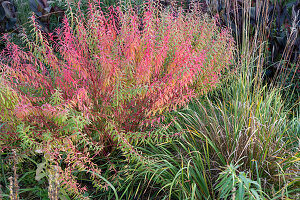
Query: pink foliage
pixel 106 62
pixel 118 68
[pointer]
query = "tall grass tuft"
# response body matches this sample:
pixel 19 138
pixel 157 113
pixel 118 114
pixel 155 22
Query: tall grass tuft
pixel 245 131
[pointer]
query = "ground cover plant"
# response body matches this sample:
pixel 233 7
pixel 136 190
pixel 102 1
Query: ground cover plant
pixel 143 101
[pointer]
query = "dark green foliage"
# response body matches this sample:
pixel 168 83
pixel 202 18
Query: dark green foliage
pixel 45 12
pixel 8 16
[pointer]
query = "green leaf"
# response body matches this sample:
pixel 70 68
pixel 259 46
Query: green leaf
pixel 40 171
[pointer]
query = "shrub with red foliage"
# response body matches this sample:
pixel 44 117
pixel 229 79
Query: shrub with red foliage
pixel 119 76
pixel 124 72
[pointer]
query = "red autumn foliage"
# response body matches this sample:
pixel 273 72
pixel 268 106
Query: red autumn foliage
pixel 115 73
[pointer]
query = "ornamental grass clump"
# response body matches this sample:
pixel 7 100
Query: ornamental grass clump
pixel 102 76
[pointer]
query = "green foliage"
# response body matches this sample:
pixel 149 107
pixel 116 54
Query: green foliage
pixel 236 185
pixel 8 101
pixel 244 125
pixel 240 141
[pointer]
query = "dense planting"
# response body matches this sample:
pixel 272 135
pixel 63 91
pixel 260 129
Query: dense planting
pixel 144 101
pixel 93 81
